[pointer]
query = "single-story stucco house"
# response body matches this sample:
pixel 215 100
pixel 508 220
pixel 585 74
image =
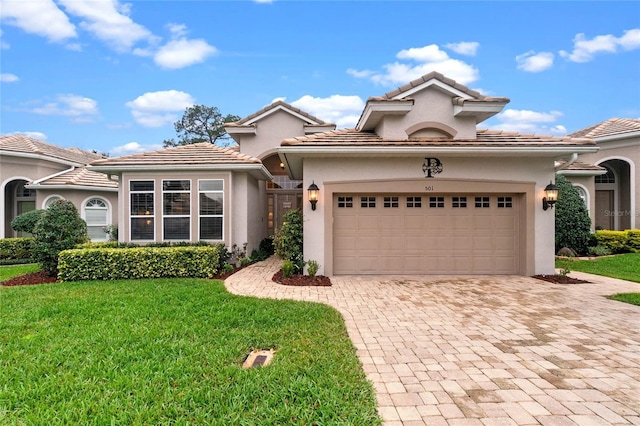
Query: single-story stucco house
pixel 33 174
pixel 414 188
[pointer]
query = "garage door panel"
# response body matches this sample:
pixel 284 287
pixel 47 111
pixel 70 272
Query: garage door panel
pixel 421 239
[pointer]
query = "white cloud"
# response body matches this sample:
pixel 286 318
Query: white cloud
pixel 183 53
pixel 133 148
pixel 430 58
pixel 109 21
pixel 534 62
pixel 8 78
pixel 585 49
pixel 526 121
pixel 3 44
pixel 41 17
pixel 155 109
pixel 81 109
pixel 342 110
pixel 469 48
pixel 35 135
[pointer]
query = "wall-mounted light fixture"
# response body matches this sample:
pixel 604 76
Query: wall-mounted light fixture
pixel 314 191
pixel 282 165
pixel 551 196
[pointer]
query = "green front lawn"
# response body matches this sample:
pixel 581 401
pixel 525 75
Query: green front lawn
pixel 633 298
pixel 169 351
pixel 11 271
pixel 622 266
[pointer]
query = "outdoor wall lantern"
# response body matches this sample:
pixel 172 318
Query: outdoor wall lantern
pixel 551 192
pixel 313 195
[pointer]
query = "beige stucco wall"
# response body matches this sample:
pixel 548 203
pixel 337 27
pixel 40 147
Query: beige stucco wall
pixel 431 105
pixel 627 150
pixel 270 131
pixel 528 176
pixel 20 168
pixel 249 213
pixel 79 198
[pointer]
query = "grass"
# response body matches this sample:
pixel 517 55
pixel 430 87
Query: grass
pixel 11 271
pixel 622 266
pixel 632 298
pixel 169 351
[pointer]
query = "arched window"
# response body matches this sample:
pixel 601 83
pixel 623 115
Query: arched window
pixel 52 199
pixel 608 177
pixel 583 194
pixel 96 214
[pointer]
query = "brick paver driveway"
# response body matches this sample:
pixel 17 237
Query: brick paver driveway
pixel 484 350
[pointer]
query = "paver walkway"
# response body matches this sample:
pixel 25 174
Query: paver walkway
pixel 484 350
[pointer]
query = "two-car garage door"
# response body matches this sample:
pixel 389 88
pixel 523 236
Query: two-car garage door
pixel 426 234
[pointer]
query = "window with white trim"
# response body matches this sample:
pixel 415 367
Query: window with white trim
pixel 583 195
pixel 176 209
pixel 367 202
pixel 436 202
pixel 459 202
pixel 414 202
pixel 52 199
pixel 142 213
pixel 390 202
pixel 608 177
pixel 505 202
pixel 211 209
pixel 96 215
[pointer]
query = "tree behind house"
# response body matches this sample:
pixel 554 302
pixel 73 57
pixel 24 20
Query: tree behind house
pixel 201 123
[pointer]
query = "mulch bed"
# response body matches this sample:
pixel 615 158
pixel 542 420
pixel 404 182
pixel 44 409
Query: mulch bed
pixel 561 279
pixel 30 279
pixel 302 280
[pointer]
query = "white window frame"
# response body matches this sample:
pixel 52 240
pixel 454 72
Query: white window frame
pixel 107 208
pixel 200 215
pixel 151 217
pixel 176 216
pixel 51 199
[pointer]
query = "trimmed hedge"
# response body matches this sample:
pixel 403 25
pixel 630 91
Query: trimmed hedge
pixel 137 263
pixel 619 241
pixel 16 250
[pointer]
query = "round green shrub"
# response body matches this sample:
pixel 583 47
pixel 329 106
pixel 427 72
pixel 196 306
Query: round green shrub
pixel 573 225
pixel 59 228
pixel 26 222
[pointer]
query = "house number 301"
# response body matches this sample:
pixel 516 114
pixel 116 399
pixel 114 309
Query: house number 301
pixel 429 188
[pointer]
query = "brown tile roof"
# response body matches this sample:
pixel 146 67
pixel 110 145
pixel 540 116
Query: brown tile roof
pixel 437 76
pixel 578 165
pixel 610 127
pixel 195 154
pixel 21 144
pixel 81 177
pixel 274 105
pixel 351 137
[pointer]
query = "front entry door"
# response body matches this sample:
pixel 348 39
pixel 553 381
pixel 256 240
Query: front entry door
pixel 284 203
pixel 604 210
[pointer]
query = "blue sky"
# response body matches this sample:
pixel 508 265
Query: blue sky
pixel 113 76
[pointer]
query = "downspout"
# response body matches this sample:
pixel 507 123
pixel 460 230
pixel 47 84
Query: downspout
pixel 569 162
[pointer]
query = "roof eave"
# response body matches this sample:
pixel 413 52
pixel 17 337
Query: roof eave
pixel 480 110
pixel 258 170
pixel 375 110
pixel 42 157
pixel 69 186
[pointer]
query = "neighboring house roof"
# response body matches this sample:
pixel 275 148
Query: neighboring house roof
pixel 76 179
pixel 199 156
pixel 610 127
pixel 24 146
